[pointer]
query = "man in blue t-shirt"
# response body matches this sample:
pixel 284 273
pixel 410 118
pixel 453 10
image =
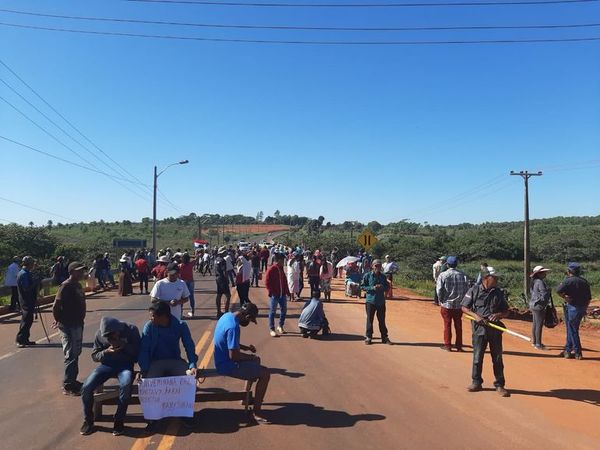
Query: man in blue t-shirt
pixel 231 362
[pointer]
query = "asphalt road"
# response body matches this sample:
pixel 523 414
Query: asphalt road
pixel 331 393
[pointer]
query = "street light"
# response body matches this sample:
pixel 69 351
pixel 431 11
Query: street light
pixel 156 175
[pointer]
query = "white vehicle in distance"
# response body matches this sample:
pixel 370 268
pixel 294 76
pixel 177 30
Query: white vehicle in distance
pixel 243 246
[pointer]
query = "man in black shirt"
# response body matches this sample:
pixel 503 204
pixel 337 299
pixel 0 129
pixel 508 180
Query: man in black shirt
pixel 577 294
pixel 486 303
pixel 222 281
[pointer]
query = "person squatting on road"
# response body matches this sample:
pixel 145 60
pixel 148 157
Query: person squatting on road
pixel 486 303
pixel 28 288
pixel 452 285
pixel 116 348
pixel 231 362
pixel 278 291
pixel 576 292
pixel 375 284
pixel 538 301
pixel 160 353
pixel 222 281
pixel 69 313
pixel 312 318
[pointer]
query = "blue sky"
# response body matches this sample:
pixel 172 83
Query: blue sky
pixel 386 133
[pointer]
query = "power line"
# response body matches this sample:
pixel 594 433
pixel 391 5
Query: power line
pixel 304 42
pixel 58 126
pixel 72 163
pixel 35 209
pixel 303 28
pixel 72 125
pixel 365 5
pixel 166 199
pixel 112 177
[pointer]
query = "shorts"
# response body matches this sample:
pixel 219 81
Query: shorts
pixel 246 370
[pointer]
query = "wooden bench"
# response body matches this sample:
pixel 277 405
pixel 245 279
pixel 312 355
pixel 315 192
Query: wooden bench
pixel 109 395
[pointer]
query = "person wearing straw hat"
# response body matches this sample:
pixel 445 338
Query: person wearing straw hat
pixel 538 301
pixel 486 303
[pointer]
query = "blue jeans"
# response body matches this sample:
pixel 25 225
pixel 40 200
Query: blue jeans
pixel 72 341
pixel 190 286
pixel 573 317
pixel 273 302
pixel 99 376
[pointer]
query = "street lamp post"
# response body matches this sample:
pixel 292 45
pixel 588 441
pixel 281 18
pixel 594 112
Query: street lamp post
pixel 156 175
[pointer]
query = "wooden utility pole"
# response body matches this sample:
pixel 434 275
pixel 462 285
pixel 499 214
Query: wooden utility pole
pixel 526 244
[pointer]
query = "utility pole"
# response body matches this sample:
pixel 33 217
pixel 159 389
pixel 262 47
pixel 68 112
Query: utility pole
pixel 154 249
pixel 526 244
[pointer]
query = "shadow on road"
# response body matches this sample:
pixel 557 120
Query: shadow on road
pixel 589 396
pixel 340 337
pixel 314 416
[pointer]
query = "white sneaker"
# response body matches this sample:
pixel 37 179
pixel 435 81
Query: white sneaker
pixel 272 333
pixel 190 314
pixel 280 330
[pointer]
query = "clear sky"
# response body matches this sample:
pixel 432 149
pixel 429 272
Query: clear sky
pixel 426 133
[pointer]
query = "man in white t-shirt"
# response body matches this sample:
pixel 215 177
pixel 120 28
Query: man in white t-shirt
pixel 171 290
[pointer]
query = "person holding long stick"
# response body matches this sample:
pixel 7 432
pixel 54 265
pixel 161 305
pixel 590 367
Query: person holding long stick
pixel 486 303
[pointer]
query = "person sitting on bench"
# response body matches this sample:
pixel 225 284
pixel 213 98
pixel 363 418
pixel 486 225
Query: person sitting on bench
pixel 312 318
pixel 116 348
pixel 160 354
pixel 231 362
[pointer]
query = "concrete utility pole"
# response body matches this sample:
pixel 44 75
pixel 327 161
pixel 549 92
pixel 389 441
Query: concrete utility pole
pixel 526 245
pixel 156 175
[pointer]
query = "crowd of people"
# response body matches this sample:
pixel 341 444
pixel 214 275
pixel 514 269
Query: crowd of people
pixel 118 346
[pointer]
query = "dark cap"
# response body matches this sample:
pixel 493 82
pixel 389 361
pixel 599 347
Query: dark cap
pixel 574 267
pixel 452 261
pixel 76 265
pixel 173 267
pixel 250 310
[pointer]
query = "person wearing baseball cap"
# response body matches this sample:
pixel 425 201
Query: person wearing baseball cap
pixel 538 301
pixel 27 289
pixel 576 292
pixel 69 310
pixel 171 290
pixel 230 359
pixel 486 303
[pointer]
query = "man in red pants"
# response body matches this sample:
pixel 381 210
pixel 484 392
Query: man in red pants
pixel 452 285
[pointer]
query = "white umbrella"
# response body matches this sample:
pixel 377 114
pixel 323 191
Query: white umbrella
pixel 347 260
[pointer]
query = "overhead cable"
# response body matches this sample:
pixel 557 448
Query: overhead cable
pixel 366 5
pixel 303 27
pixel 305 42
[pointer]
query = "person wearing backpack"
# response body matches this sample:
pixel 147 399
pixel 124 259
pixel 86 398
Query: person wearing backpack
pixel 538 301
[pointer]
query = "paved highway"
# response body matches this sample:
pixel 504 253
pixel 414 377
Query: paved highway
pixel 332 393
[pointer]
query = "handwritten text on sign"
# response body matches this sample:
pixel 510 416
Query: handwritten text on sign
pixel 167 397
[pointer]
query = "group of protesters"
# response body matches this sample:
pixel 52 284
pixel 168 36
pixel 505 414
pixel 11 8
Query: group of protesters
pixel 485 304
pixel 119 346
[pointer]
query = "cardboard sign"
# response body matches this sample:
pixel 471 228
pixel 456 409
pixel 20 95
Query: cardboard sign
pixel 167 397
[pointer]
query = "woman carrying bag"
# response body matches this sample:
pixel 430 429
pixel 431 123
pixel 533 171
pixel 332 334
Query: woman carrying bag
pixel 539 299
